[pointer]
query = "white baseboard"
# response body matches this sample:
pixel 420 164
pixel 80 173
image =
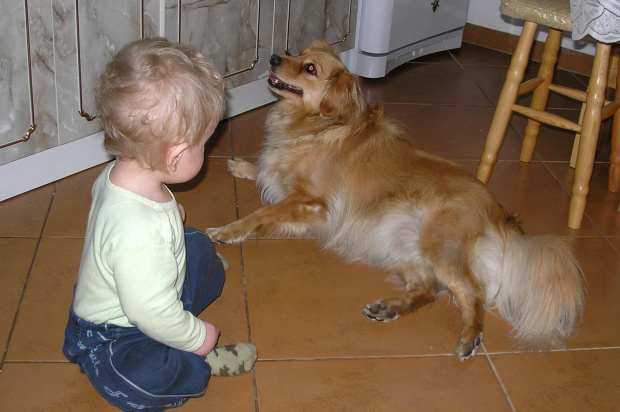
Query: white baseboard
pixel 50 165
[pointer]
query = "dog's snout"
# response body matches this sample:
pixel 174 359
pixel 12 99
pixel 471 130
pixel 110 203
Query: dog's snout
pixel 275 60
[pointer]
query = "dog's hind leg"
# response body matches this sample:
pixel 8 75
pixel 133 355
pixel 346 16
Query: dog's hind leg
pixel 447 257
pixel 242 169
pixel 471 305
pixel 420 291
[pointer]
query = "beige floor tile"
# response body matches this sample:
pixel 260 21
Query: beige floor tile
pixel 615 243
pixel 69 212
pixel 219 144
pixel 442 138
pixel 425 83
pixel 472 55
pixel 24 215
pixel 491 79
pixel 39 331
pixel 61 387
pixel 602 270
pixel 51 387
pixel 529 190
pixel 601 204
pixel 307 304
pixel 209 198
pixel 228 312
pixel 16 256
pixel 552 144
pixel 556 145
pixel 249 131
pixel 248 196
pixel 230 394
pixel 407 384
pixel 601 267
pixel 566 381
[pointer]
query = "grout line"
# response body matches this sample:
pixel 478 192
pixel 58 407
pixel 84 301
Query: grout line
pixel 499 379
pixel 363 358
pixel 490 100
pixel 551 351
pixel 360 358
pixel 50 362
pixel 21 298
pixel 247 314
pixel 243 278
pixel 577 78
pixel 590 349
pixel 608 238
pixel 489 105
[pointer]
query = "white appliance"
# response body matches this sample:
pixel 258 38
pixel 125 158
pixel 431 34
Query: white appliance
pixel 392 32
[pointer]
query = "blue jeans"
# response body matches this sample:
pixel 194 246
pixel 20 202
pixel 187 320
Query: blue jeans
pixel 131 370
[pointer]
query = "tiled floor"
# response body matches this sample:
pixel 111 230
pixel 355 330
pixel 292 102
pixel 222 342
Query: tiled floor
pixel 302 307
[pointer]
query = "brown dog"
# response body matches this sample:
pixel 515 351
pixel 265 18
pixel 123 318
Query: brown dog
pixel 335 169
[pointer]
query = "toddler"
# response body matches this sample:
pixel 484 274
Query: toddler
pixel 143 278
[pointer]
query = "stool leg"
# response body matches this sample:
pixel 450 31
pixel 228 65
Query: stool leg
pixel 573 155
pixel 507 98
pixel 589 135
pixel 541 93
pixel 614 160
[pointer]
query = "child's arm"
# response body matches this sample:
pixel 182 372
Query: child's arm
pixel 145 280
pixel 213 334
pixel 182 211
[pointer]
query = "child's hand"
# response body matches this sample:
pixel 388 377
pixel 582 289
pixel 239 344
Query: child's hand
pixel 182 210
pixel 213 334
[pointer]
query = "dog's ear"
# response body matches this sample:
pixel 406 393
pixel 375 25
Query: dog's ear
pixel 343 96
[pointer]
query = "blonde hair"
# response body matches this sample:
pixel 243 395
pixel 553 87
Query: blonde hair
pixel 154 94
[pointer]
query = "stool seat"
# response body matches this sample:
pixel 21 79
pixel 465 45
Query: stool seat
pixel 550 13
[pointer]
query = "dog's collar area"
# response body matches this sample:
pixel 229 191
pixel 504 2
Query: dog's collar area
pixel 276 83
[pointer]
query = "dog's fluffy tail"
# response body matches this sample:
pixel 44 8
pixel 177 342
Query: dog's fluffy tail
pixel 541 289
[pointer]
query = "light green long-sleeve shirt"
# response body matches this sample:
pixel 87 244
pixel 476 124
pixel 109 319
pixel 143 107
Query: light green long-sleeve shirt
pixel 133 267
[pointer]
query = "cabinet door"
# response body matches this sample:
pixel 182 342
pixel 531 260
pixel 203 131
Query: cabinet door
pixel 27 101
pixel 299 23
pixel 88 33
pixel 239 36
pixel 235 35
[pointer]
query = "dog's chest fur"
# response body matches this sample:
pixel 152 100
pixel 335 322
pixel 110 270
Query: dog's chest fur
pixel 304 162
pixel 293 165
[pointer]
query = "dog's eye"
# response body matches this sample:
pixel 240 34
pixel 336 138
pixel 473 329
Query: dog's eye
pixel 311 68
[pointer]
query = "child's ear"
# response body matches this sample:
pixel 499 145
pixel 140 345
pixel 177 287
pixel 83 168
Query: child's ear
pixel 174 154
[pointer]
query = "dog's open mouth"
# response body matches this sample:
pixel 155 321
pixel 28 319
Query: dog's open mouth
pixel 280 85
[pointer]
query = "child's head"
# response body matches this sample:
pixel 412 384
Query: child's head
pixel 154 94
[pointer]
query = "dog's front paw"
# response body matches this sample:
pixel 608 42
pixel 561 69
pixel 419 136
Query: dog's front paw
pixel 466 350
pixel 226 234
pixel 218 235
pixel 242 169
pixel 214 234
pixel 380 311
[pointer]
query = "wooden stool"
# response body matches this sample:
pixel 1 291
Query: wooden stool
pixel 613 81
pixel 555 14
